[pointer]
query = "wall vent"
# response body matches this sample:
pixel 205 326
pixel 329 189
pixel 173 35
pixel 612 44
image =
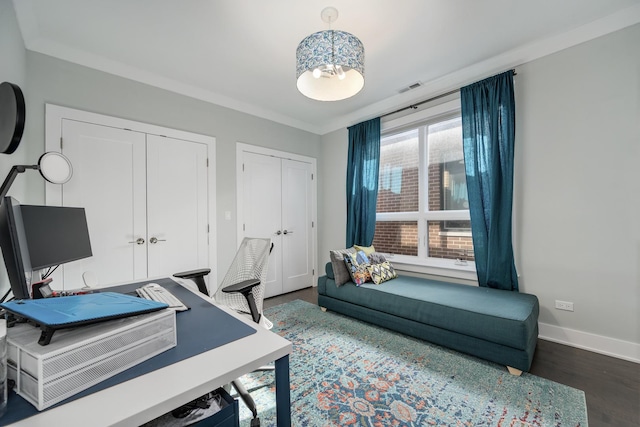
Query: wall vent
pixel 410 87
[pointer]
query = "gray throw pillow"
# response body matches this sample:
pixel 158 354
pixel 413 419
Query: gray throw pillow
pixel 340 272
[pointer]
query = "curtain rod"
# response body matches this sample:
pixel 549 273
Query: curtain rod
pixel 415 106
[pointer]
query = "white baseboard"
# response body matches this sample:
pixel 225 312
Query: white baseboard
pixel 613 347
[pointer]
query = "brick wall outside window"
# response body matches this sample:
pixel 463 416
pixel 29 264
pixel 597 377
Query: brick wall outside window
pixel 442 245
pixel 398 172
pixel 435 186
pixel 396 237
pixel 398 192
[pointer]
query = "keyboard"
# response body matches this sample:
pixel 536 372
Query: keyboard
pixel 155 292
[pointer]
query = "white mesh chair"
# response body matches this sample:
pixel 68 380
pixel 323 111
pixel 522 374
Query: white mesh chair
pixel 244 283
pixel 242 290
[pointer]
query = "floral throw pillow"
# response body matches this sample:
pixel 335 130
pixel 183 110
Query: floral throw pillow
pixel 381 272
pixel 376 258
pixel 358 272
pixel 368 250
pixel 361 258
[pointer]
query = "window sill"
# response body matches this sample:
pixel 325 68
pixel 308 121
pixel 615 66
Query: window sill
pixel 455 233
pixel 441 269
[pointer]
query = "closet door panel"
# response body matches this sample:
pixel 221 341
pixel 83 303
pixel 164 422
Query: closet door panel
pixel 297 268
pixel 262 211
pixel 109 182
pixel 177 205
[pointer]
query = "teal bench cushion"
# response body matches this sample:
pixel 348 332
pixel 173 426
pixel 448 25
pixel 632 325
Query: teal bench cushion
pixel 503 317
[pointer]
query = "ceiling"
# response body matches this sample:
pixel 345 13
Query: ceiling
pixel 241 53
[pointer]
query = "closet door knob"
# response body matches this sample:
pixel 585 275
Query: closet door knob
pixel 155 240
pixel 287 232
pixel 279 233
pixel 138 241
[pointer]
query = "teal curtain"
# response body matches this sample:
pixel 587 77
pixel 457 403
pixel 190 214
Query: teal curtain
pixel 488 132
pixel 362 182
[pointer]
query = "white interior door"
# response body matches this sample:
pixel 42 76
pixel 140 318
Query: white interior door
pixel 177 205
pixel 112 159
pixel 262 210
pixel 109 182
pixel 277 203
pixel 297 268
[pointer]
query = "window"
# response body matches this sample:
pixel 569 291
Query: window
pixel 422 208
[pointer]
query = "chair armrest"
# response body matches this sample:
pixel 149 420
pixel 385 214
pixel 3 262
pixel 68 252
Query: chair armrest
pixel 242 287
pixel 197 276
pixel 245 287
pixel 193 273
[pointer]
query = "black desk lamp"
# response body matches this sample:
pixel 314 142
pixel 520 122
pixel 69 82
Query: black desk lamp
pixel 54 167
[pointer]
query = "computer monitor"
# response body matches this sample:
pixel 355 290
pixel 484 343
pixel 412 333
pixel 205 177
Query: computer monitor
pixel 35 237
pixel 55 235
pixel 14 247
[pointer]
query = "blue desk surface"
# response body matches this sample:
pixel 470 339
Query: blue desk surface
pixel 202 328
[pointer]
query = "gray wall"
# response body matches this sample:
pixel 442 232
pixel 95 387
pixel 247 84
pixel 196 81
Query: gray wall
pixel 59 82
pixel 332 208
pixel 44 79
pixel 577 156
pixel 13 70
pixel 578 136
pixel 577 191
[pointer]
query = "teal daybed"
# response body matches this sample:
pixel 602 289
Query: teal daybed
pixel 496 325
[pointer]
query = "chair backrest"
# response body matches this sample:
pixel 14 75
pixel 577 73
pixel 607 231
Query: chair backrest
pixel 251 262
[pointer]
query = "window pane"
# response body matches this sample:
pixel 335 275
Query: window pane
pixel 446 242
pixel 398 179
pixel 447 180
pixel 396 237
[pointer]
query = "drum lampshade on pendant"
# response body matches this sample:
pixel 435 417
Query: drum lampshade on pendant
pixel 330 64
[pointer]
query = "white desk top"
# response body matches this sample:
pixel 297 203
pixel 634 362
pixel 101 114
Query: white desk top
pixel 144 398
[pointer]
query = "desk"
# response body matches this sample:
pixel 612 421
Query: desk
pixel 144 398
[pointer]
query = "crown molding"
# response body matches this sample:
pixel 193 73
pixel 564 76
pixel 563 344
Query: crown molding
pixel 29 28
pixel 510 59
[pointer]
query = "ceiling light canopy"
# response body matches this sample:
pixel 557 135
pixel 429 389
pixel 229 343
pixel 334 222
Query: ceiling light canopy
pixel 330 64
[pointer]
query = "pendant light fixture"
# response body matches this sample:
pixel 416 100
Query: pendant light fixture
pixel 330 63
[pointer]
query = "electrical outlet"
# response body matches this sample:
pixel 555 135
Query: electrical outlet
pixel 564 305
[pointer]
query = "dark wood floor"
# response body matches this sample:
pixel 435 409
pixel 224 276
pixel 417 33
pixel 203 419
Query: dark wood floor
pixel 611 386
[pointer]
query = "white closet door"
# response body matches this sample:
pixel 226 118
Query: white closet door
pixel 277 203
pixel 262 211
pixel 177 205
pixel 109 182
pixel 297 268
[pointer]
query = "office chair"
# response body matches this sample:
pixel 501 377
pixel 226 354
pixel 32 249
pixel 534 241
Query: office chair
pixel 242 290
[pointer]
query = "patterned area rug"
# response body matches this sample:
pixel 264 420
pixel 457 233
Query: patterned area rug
pixel 348 373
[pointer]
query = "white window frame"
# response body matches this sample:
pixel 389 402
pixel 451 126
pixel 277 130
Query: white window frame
pixel 422 263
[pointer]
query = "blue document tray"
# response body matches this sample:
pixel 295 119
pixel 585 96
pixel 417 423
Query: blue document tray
pixel 51 314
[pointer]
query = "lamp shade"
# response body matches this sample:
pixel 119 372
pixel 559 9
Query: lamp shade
pixel 337 58
pixel 55 167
